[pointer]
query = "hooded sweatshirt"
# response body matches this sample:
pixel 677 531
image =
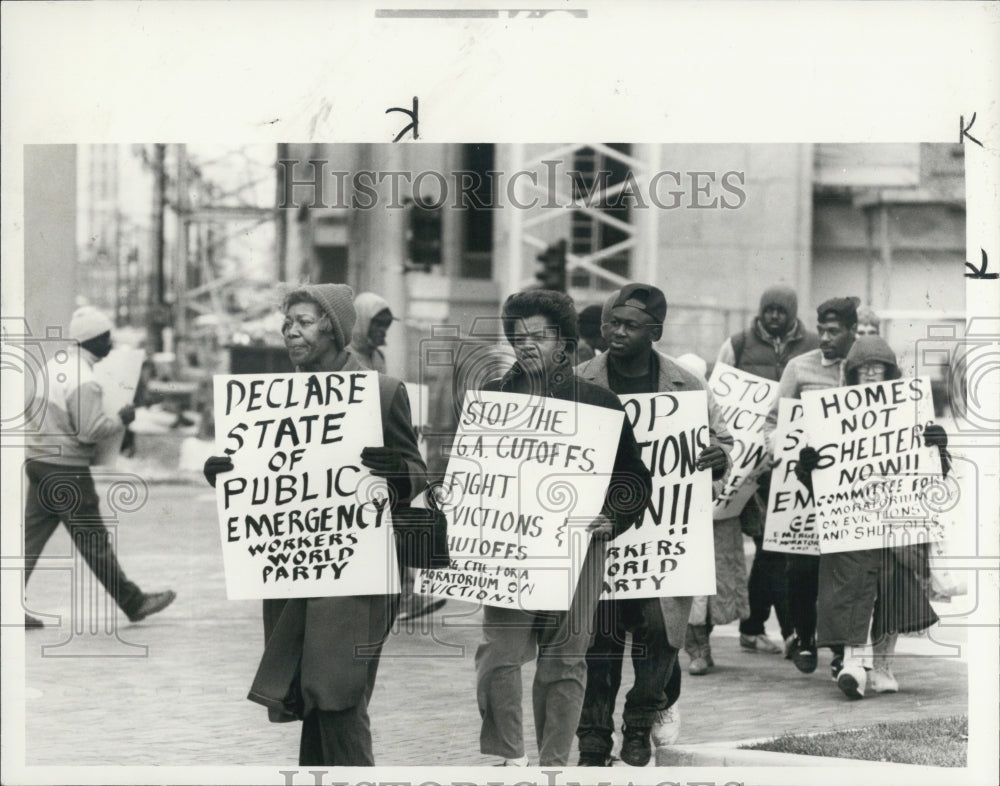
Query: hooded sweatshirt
pixel 866 349
pixel 367 305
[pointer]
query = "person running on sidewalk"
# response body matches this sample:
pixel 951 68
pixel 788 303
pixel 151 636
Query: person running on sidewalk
pixel 817 369
pixel 658 625
pixel 69 422
pixel 776 336
pixel 321 655
pixel 886 588
pixel 541 326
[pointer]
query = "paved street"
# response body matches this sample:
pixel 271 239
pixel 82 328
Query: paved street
pixel 184 702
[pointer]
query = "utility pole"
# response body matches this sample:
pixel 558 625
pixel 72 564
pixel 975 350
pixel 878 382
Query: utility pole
pixel 155 317
pixel 281 217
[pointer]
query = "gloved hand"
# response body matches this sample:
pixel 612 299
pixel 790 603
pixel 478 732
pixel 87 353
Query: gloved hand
pixel 937 437
pixel 216 464
pixel 388 463
pixel 808 461
pixel 715 459
pixel 127 414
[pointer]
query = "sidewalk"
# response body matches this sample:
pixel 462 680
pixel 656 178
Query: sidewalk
pixel 184 703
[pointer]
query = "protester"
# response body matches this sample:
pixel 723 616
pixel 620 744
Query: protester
pixel 868 322
pixel 730 599
pixel 61 447
pixel 370 330
pixel 886 588
pixel 658 625
pixel 776 336
pixel 817 369
pixel 592 342
pixel 321 655
pixel 373 322
pixel 541 326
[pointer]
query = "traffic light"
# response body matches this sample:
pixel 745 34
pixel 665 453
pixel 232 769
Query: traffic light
pixel 553 272
pixel 424 236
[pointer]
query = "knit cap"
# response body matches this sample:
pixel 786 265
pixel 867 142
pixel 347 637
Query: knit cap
pixel 844 309
pixel 337 301
pixel 87 323
pixel 783 297
pixel 866 349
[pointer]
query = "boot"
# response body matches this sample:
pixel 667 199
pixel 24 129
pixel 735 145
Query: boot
pixel 696 646
pixel 881 679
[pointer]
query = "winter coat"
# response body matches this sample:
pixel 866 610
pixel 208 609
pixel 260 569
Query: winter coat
pixel 762 355
pixel 317 651
pixel 672 378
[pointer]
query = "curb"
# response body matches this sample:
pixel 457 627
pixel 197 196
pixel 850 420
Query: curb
pixel 722 755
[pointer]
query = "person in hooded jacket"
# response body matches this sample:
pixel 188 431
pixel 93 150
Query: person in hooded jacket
pixel 886 590
pixel 321 655
pixel 374 318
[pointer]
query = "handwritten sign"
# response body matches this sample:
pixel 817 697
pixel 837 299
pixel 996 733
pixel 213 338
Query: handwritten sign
pixel 525 478
pixel 118 375
pixel 876 484
pixel 790 526
pixel 299 515
pixel 672 551
pixel 745 399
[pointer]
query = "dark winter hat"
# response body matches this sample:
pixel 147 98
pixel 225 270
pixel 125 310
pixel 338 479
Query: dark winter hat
pixel 866 349
pixel 783 297
pixel 844 309
pixel 644 298
pixel 337 302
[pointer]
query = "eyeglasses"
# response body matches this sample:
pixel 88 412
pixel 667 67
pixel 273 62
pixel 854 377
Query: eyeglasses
pixel 628 325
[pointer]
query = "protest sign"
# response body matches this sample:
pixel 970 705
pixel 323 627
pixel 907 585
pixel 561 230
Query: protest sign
pixel 790 526
pixel 671 551
pixel 525 478
pixel 876 484
pixel 299 515
pixel 745 400
pixel 118 375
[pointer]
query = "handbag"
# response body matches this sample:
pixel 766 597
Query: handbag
pixel 421 536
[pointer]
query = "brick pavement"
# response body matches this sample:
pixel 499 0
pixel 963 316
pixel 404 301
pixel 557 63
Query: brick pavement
pixel 185 702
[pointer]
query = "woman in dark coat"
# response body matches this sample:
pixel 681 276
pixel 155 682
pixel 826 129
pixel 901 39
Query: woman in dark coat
pixel 887 589
pixel 321 655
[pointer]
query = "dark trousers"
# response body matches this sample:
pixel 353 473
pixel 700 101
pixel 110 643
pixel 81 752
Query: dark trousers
pixel 654 661
pixel 64 493
pixel 342 738
pixel 767 587
pixel 802 571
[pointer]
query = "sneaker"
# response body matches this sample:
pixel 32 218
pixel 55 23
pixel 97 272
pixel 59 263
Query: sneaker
pixel 851 681
pixel 521 762
pixel 666 727
pixel 32 622
pixel 594 760
pixel 152 603
pixel 791 644
pixel 881 680
pixel 636 750
pixel 805 659
pixel 759 643
pixel 698 667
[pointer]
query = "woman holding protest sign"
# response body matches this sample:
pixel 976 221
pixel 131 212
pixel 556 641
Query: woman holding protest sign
pixel 885 590
pixel 321 654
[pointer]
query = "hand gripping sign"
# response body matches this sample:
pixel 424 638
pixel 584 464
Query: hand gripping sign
pixel 790 526
pixel 671 551
pixel 876 484
pixel 299 515
pixel 745 399
pixel 525 477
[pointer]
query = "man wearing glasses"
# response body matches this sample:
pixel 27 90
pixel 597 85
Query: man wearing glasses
pixel 658 625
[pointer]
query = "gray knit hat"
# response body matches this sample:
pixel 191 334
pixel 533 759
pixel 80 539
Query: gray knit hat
pixel 782 296
pixel 337 302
